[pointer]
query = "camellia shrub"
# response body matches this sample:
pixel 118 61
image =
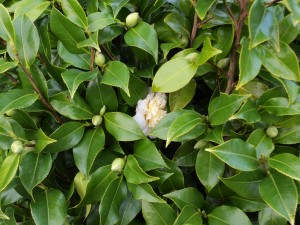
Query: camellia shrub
pixel 149 112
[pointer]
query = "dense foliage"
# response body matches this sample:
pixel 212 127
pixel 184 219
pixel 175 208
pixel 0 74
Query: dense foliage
pixel 149 112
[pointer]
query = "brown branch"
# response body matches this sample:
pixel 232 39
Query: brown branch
pixel 273 3
pixel 44 101
pixel 110 56
pixel 195 26
pixel 15 81
pixel 238 25
pixel 92 59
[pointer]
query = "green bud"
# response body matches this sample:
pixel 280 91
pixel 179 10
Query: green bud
pixel 103 110
pixel 97 120
pixel 223 63
pixel 132 19
pixel 100 59
pixel 118 164
pixel 272 131
pixel 17 147
pixel 10 112
pixel 200 144
pixel 192 57
pixel 80 184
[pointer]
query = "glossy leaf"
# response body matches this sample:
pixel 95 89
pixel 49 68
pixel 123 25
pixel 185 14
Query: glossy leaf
pixel 74 12
pixel 34 168
pixel 134 173
pixel 202 7
pixel 7 31
pixel 86 151
pixel 288 32
pixel 111 201
pixel 8 170
pixel 33 9
pixel 209 168
pixel 186 154
pixel 207 52
pixel 247 205
pixel 158 213
pixel 268 216
pixel 143 36
pixel 237 154
pixel 99 20
pixel 49 207
pixel 16 99
pixel 247 112
pixel 280 193
pixel 224 215
pixel 129 209
pixel 188 215
pixel 5 65
pixel 144 192
pixel 117 74
pixel 281 107
pixel 288 135
pixel 122 127
pixel 216 134
pixel 263 144
pixel 178 23
pixel 92 41
pixel 41 139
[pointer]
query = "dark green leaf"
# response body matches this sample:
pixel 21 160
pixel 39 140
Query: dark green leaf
pixel 186 154
pixel 188 215
pixel 288 135
pixel 280 107
pixel 129 209
pixel 144 192
pixel 247 112
pixel 247 205
pixel 263 144
pixel 99 20
pixel 268 216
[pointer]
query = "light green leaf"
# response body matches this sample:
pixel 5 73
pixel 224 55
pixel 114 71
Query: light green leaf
pixel 221 108
pixel 188 215
pixel 3 216
pixel 88 148
pixel 294 7
pixel 225 215
pixel 280 193
pixel 202 7
pixel 158 213
pixel 268 216
pixel 41 139
pixel 117 74
pixel 49 207
pixel 5 65
pixel 117 5
pixel 291 88
pixel 237 154
pixel 187 196
pixel 288 135
pixel 207 52
pixel 288 32
pixel 143 36
pixel 7 31
pixel 8 170
pixel 92 41
pixel 216 134
pixel 174 75
pixel 280 106
pixel 99 20
pixel 286 164
pixel 247 112
pixel 134 173
pixel 27 40
pixel 123 127
pixel 74 12
pixel 32 8
pixel 34 168
pixel 129 209
pixel 16 99
pixel 144 192
pixel 263 144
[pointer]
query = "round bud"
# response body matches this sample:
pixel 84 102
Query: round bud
pixel 272 131
pixel 200 144
pixel 223 63
pixel 184 41
pixel 132 19
pixel 192 57
pixel 118 164
pixel 103 110
pixel 100 59
pixel 17 147
pixel 10 112
pixel 97 120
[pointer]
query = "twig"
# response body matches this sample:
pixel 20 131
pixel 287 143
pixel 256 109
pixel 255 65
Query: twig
pixel 41 58
pixel 229 12
pixel 111 57
pixel 195 26
pixel 11 78
pixel 273 3
pixel 92 58
pixel 238 25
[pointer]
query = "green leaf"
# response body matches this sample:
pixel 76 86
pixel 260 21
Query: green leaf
pixel 221 108
pixel 173 75
pixel 123 127
pixel 49 207
pixel 247 205
pixel 99 20
pixel 24 119
pixel 263 144
pixel 207 52
pixel 288 135
pixel 129 209
pixel 97 184
pixel 34 168
pixel 67 136
pixel 41 139
pixel 88 148
pixel 280 193
pixel 74 12
pixel 286 164
pixel 16 99
pixel 179 99
pixel 111 201
pixel 188 215
pixel 117 74
pixel 178 23
pixel 74 108
pixel 33 9
pixel 134 173
pixel 216 134
pixel 144 192
pixel 5 65
pixel 247 112
pixel 73 78
pixel 291 88
pixel 225 215
pixel 186 127
pixel 288 32
pixel 237 154
pixel 7 31
pixel 293 6
pixel 262 23
pixel 280 106
pixel 202 7
pixel 268 216
pixel 27 40
pixel 143 36
pixel 40 80
pixel 186 154
pixel 187 196
pixel 158 213
pixel 246 184
pixel 3 216
pixel 147 155
pixel 249 64
pixel 8 170
pixel 282 64
pixel 66 31
pixel 209 168
pixel 92 41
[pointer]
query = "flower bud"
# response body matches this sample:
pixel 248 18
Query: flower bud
pixel 132 19
pixel 192 57
pixel 10 112
pixel 272 131
pixel 118 164
pixel 100 59
pixel 223 63
pixel 103 110
pixel 17 147
pixel 97 120
pixel 200 144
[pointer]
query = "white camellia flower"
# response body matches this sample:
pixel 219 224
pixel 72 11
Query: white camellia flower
pixel 150 111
